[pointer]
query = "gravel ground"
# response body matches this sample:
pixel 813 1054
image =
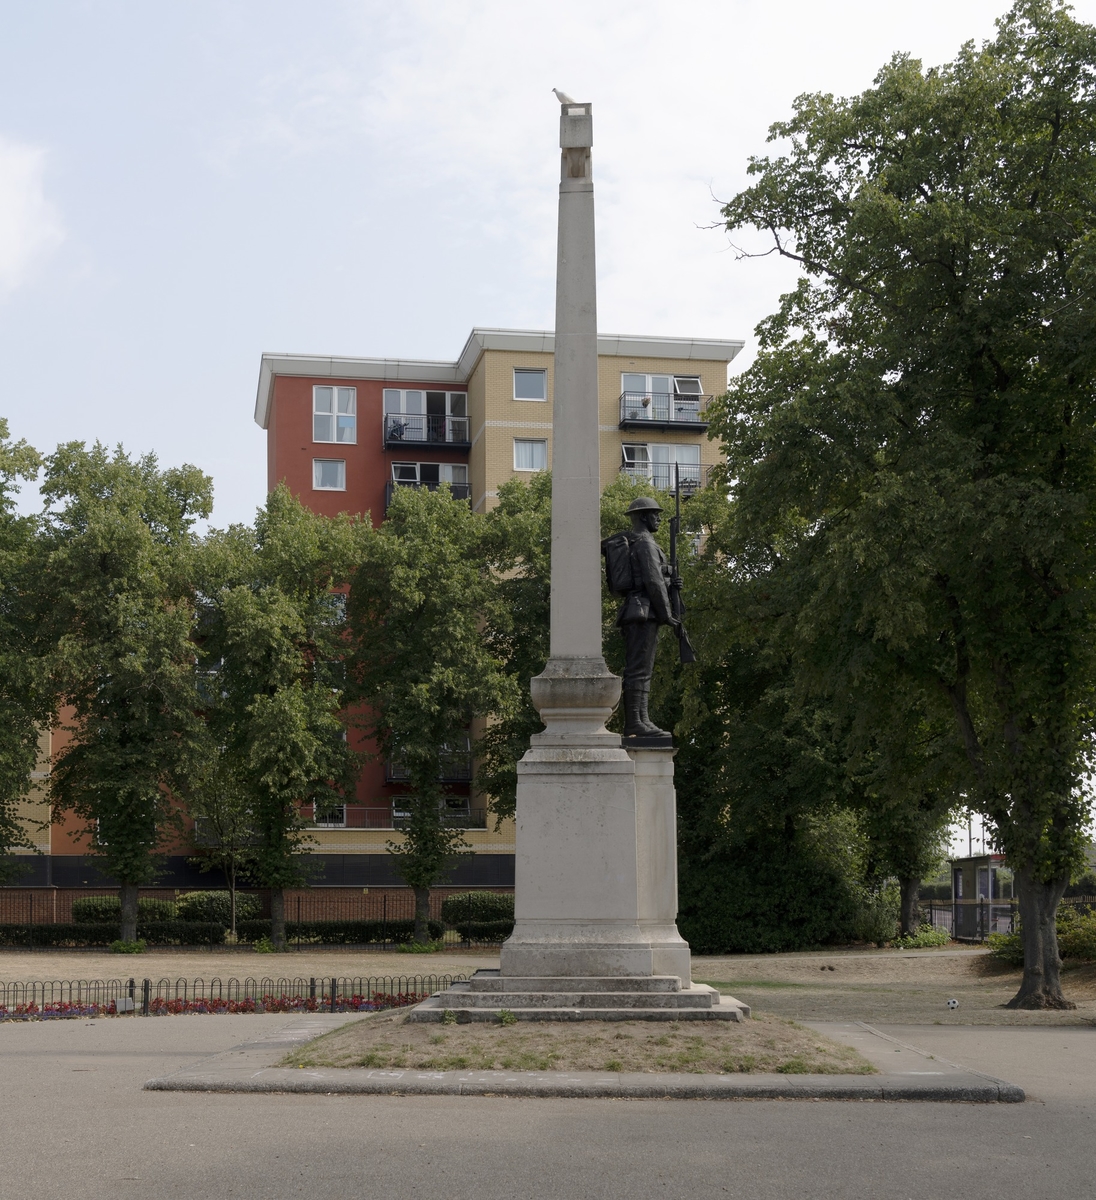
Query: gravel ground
pixel 890 986
pixel 719 1047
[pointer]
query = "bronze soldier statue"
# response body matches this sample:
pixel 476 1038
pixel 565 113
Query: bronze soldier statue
pixel 637 569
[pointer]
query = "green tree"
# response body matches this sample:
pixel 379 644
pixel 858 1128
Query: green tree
pixel 912 451
pixel 24 703
pixel 518 548
pixel 220 804
pixel 272 639
pixel 114 582
pixel 421 664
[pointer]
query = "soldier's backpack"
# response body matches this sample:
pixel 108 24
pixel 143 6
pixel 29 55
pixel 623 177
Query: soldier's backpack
pixel 618 564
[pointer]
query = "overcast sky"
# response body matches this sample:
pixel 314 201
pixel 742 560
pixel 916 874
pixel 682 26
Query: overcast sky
pixel 183 186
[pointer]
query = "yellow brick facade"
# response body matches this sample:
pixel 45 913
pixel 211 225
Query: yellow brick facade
pixel 497 418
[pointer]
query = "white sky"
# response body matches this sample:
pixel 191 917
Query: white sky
pixel 184 186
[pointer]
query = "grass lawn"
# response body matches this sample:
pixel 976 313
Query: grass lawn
pixel 765 1044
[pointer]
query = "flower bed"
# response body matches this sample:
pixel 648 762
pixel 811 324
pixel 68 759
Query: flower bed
pixel 215 1006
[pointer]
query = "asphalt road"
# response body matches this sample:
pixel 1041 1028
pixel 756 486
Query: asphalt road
pixel 75 1123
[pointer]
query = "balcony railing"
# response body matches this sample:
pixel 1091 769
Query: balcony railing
pixel 451 818
pixel 350 816
pixel 693 476
pixel 456 767
pixel 663 410
pixel 459 491
pixel 403 429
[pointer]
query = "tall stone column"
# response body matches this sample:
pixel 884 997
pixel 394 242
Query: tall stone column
pixel 595 854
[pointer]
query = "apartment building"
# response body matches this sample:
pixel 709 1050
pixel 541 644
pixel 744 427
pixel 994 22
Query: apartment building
pixel 344 433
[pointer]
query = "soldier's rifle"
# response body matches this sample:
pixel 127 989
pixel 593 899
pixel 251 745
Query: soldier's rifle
pixel 677 607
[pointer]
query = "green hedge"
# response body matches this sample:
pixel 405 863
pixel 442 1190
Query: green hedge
pixel 102 933
pixel 217 906
pixel 339 933
pixel 109 908
pixel 485 931
pixel 477 906
pixel 764 899
pixel 1076 938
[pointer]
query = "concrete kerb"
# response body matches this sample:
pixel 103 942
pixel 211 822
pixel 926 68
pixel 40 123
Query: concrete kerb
pixel 247 1069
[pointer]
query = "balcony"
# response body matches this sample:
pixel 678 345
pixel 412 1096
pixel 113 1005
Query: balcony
pixel 456 813
pixel 663 410
pixel 456 767
pixel 693 476
pixel 408 429
pixel 347 816
pixel 459 491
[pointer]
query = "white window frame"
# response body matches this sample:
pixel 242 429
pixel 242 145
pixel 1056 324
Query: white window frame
pixel 531 442
pixel 443 470
pixel 337 397
pixel 543 373
pixel 652 464
pixel 388 394
pixel 647 403
pixel 316 485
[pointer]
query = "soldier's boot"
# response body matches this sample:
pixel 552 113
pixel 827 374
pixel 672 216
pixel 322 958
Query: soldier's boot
pixel 652 730
pixel 634 724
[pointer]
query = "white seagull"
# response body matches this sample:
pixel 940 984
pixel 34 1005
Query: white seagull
pixel 562 97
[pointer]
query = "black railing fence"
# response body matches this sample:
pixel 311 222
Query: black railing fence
pixel 60 998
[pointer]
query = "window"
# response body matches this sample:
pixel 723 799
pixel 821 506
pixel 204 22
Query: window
pixel 334 414
pixel 662 463
pixel 660 397
pixel 329 474
pixel 530 384
pixel 416 415
pixel 412 474
pixel 530 454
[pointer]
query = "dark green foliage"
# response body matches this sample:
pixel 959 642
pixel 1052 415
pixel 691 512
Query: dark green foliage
pixel 340 933
pixel 912 452
pixel 115 587
pixel 272 638
pixel 421 664
pixel 25 704
pixel 480 916
pixel 935 891
pixel 485 931
pixel 216 906
pixel 109 908
pixel 478 906
pixel 102 933
pixel 761 900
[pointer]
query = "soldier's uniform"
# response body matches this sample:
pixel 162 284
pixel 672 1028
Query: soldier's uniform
pixel 645 608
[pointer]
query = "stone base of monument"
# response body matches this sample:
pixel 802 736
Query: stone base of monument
pixel 619 998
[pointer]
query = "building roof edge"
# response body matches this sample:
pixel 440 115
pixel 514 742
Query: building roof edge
pixel 542 341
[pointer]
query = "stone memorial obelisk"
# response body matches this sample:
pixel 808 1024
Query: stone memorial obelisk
pixel 595 933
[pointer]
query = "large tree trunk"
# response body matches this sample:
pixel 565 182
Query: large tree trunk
pixel 1041 986
pixel 232 899
pixel 277 918
pixel 909 918
pixel 128 897
pixel 422 914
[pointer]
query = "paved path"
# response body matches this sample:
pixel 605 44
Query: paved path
pixel 74 1121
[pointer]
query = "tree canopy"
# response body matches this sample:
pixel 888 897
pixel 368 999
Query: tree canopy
pixel 911 454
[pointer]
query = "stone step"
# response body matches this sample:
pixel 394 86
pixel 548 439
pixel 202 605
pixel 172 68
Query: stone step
pixel 493 1001
pixel 492 981
pixel 727 1010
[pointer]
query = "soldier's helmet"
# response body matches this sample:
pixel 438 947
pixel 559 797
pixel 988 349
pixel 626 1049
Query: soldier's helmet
pixel 644 504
